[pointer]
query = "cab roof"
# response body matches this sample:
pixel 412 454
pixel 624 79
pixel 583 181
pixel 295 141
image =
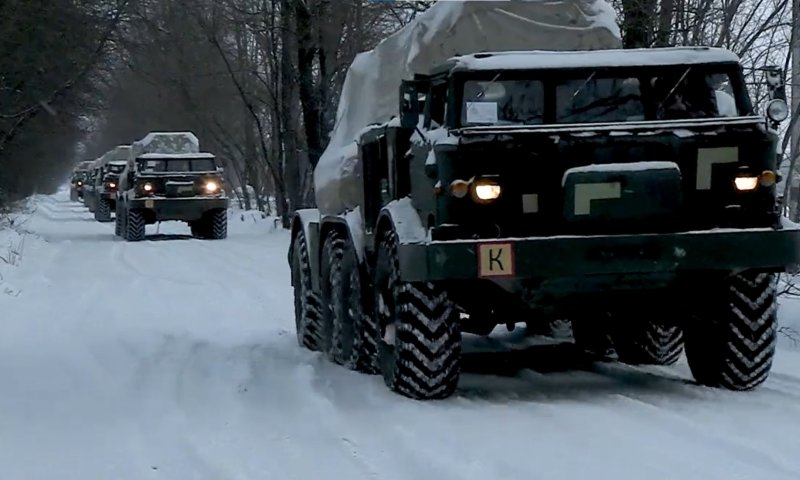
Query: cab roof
pixel 548 59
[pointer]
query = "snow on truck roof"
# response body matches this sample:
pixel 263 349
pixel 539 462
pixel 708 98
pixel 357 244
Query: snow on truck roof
pixel 150 137
pixel 175 155
pixel 548 59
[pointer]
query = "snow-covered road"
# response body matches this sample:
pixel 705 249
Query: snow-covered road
pixel 175 358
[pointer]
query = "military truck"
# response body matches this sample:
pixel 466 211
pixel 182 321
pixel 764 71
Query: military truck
pixel 78 180
pixel 627 190
pixel 167 178
pixel 106 184
pixel 90 185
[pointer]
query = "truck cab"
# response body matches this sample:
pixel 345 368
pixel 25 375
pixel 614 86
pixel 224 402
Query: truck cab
pixel 631 192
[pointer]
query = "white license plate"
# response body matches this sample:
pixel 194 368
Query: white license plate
pixel 149 204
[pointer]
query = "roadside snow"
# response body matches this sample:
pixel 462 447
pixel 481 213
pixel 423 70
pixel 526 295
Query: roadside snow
pixel 175 358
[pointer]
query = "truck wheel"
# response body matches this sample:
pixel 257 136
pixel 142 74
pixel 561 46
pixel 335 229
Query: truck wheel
pixel 199 228
pixel 639 340
pixel 73 195
pixel 135 226
pixel 353 330
pixel 103 211
pixel 307 311
pixel 419 348
pixel 730 341
pixel 90 205
pixel 119 222
pixel 218 223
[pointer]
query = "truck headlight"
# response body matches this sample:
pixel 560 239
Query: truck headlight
pixel 147 187
pixel 211 186
pixel 112 185
pixel 745 184
pixel 777 110
pixel 486 190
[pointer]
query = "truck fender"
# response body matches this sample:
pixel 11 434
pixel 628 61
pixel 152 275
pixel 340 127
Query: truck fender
pixel 401 216
pixel 306 221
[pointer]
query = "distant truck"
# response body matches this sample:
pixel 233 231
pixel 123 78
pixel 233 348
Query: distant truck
pixel 106 183
pixel 167 178
pixel 627 190
pixel 78 180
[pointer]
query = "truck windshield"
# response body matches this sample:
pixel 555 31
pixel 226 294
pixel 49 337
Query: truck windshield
pixel 593 97
pixel 177 165
pixel 115 169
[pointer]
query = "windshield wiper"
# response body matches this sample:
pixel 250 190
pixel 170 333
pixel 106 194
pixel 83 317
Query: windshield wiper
pixel 486 87
pixel 583 85
pixel 674 87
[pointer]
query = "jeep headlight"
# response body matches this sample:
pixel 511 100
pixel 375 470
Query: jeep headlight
pixel 211 186
pixel 486 190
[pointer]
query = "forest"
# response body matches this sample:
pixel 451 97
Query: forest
pixel 258 80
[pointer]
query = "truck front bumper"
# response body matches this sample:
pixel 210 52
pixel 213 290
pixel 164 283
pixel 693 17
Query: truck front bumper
pixel 575 256
pixel 182 209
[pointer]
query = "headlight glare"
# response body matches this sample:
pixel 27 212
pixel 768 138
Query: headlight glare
pixel 212 186
pixel 147 187
pixel 486 190
pixel 745 184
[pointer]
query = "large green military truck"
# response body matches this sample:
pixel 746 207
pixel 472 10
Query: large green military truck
pixel 167 178
pixel 629 191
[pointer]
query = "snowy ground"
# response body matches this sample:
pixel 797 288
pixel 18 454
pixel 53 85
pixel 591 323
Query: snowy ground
pixel 175 358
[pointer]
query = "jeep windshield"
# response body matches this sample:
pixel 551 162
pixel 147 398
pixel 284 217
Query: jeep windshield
pixel 177 165
pixel 597 96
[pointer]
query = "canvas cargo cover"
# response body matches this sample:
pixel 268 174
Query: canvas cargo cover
pixel 165 142
pixel 448 28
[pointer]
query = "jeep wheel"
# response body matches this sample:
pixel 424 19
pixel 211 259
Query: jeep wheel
pixel 642 338
pixel 218 223
pixel 730 341
pixel 307 311
pixel 103 211
pixel 419 348
pixel 135 227
pixel 353 331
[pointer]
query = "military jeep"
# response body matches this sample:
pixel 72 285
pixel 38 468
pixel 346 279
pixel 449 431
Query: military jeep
pixel 627 191
pixel 158 187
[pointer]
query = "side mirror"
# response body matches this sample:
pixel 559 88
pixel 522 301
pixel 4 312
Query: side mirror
pixel 776 85
pixel 409 105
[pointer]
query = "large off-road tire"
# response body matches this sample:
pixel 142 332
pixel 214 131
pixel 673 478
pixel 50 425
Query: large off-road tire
pixel 135 226
pixel 307 305
pixel 218 224
pixel 730 338
pixel 103 211
pixel 119 221
pixel 642 337
pixel 73 195
pixel 419 346
pixel 349 323
pixel 91 204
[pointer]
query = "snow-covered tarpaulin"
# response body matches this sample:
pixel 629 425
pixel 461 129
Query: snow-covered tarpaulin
pixel 118 153
pixel 166 142
pixel 448 28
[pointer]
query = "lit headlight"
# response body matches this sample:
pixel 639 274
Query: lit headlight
pixel 147 187
pixel 744 184
pixel 80 183
pixel 112 185
pixel 212 186
pixel 485 190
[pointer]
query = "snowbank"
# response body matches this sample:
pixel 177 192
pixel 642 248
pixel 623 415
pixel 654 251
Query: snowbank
pixel 370 90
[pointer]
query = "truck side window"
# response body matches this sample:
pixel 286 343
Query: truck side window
pixel 438 101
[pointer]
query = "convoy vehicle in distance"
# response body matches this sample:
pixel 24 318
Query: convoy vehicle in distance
pixel 78 181
pixel 632 190
pixel 107 181
pixel 167 178
pixel 90 185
